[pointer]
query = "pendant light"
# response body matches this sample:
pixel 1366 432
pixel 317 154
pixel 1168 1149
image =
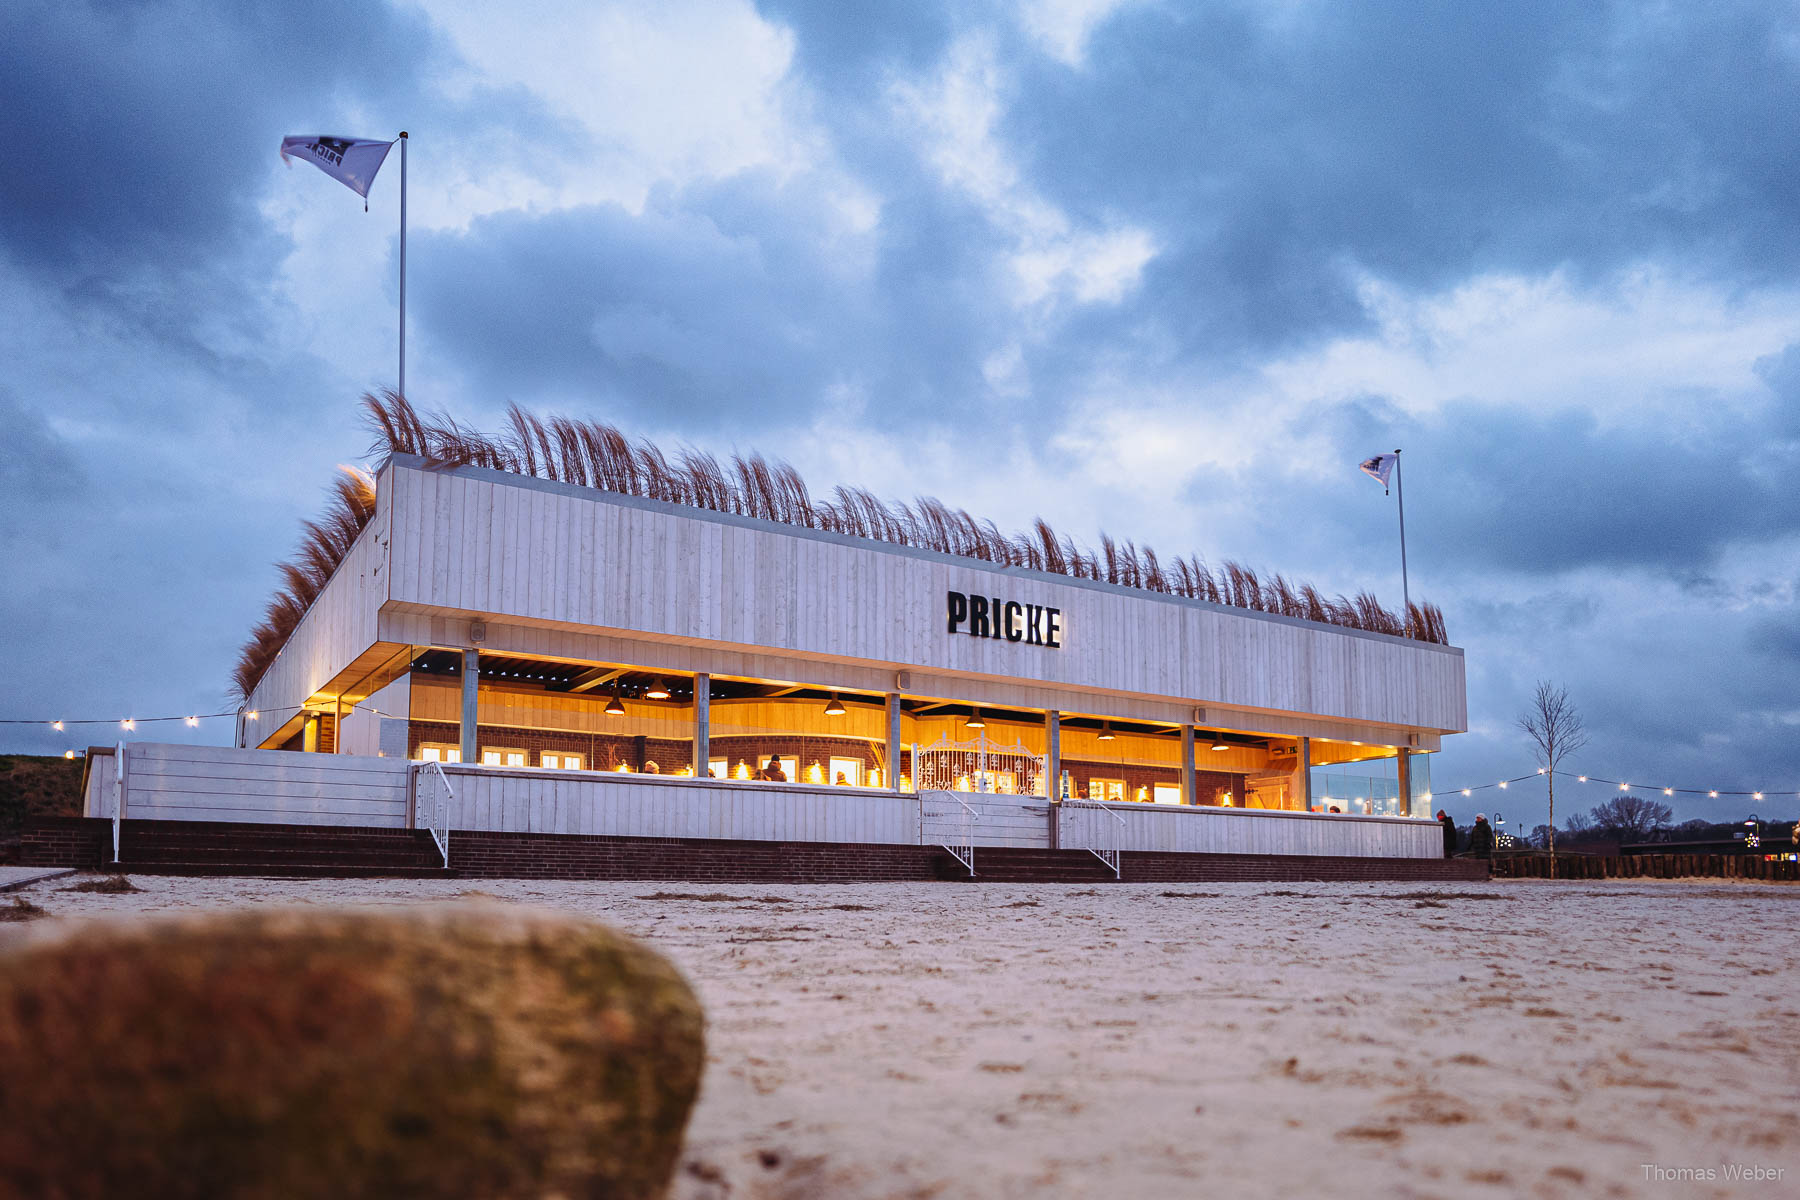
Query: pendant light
pixel 835 707
pixel 975 721
pixel 1106 733
pixel 613 707
pixel 1219 743
pixel 658 691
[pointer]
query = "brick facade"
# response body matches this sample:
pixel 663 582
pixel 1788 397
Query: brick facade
pixel 82 842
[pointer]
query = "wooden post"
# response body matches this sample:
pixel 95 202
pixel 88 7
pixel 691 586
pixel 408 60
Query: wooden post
pixel 893 741
pixel 702 723
pixel 1403 771
pixel 1053 754
pixel 309 733
pixel 1188 783
pixel 1304 765
pixel 471 712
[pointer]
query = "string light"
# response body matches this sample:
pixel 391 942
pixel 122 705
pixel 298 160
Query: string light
pixel 1623 786
pixel 56 725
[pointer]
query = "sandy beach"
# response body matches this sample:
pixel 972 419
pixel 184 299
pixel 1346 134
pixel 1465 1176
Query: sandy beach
pixel 913 1040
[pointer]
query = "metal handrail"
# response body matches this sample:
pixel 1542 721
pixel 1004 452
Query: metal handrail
pixel 964 849
pixel 437 814
pixel 1106 850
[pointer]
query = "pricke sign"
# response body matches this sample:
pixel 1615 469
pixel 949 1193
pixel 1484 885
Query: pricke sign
pixel 1008 620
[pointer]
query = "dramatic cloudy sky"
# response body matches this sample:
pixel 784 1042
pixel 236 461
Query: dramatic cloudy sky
pixel 1162 269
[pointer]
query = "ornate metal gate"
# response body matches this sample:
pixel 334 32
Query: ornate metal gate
pixel 979 766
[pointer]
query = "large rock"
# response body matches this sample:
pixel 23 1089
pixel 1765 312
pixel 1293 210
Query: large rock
pixel 465 1050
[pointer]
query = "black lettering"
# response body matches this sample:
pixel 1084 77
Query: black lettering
pixel 998 633
pixel 1053 631
pixel 1034 636
pixel 959 610
pixel 1013 611
pixel 978 616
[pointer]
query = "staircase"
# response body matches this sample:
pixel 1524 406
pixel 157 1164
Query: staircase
pixel 304 851
pixel 1000 864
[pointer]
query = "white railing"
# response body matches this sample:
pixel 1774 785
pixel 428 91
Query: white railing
pixel 1096 828
pixel 951 828
pixel 432 805
pixel 118 796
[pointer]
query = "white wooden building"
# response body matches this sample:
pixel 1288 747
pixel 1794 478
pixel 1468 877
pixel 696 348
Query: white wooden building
pixel 573 661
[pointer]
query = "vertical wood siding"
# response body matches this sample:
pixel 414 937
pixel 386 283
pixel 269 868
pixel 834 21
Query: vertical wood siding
pixel 483 543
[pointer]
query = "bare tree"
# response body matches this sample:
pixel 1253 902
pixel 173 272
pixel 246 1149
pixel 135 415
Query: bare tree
pixel 1555 729
pixel 1631 818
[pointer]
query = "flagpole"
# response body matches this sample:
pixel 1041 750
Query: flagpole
pixel 1399 496
pixel 403 141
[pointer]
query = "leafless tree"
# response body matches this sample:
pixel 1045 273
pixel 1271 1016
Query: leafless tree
pixel 1631 818
pixel 1555 729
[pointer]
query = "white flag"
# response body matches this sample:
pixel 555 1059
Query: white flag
pixel 1380 467
pixel 351 161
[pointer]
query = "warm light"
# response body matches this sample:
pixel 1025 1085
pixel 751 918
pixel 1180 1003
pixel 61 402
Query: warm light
pixel 835 707
pixel 1540 770
pixel 251 714
pixel 1225 798
pixel 624 768
pixel 613 707
pixel 1624 787
pixel 685 772
pixel 1582 778
pixel 975 721
pixel 1465 791
pixel 1714 795
pixel 1221 745
pixel 1668 791
pixel 658 691
pixel 743 770
pixel 874 777
pixel 906 783
pixel 1106 733
pixel 1356 743
pixel 1503 783
pixel 56 725
pixel 193 721
pixel 128 723
pixel 68 754
pixel 1756 795
pixel 962 783
pixel 814 774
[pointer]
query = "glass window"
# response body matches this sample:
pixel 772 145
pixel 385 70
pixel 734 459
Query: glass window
pixel 556 761
pixel 439 752
pixel 846 772
pixel 1166 793
pixel 502 757
pixel 1106 789
pixel 718 768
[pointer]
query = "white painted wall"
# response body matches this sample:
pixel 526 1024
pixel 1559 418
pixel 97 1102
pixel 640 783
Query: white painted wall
pixel 217 783
pixel 572 561
pixel 621 805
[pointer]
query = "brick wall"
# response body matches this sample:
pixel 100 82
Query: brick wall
pixel 694 860
pixel 66 842
pixel 1138 866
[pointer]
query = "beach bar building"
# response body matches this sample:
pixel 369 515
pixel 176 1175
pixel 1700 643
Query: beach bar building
pixel 534 677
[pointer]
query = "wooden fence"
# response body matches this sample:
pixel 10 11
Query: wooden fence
pixel 1645 866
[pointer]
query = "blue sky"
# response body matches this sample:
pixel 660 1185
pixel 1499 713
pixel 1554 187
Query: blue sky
pixel 1129 266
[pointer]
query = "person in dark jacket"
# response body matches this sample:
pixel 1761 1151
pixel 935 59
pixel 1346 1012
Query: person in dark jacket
pixel 1449 825
pixel 1481 837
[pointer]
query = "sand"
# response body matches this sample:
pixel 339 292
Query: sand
pixel 900 1040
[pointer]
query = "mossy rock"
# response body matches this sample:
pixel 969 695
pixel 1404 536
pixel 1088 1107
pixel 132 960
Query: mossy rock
pixel 461 1050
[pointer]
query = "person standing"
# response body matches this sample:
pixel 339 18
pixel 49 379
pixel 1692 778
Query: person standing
pixel 1449 825
pixel 1481 837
